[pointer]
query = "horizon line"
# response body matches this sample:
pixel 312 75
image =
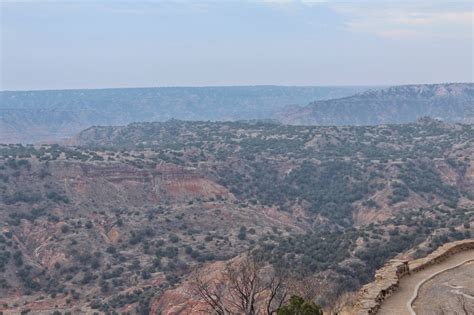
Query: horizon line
pixel 228 86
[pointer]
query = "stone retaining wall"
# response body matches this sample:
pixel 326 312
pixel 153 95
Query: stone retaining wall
pixel 441 254
pixel 388 277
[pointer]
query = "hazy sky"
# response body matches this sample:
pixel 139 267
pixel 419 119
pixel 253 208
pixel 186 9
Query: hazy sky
pixel 93 44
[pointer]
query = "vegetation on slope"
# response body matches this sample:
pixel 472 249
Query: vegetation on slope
pixel 140 206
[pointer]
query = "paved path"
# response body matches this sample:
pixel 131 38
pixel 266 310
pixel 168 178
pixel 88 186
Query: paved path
pixel 399 302
pixel 450 292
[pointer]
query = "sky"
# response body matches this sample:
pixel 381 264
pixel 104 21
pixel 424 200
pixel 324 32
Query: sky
pixel 102 44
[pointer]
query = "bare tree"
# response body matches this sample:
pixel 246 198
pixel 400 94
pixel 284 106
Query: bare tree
pixel 278 291
pixel 247 287
pixel 212 294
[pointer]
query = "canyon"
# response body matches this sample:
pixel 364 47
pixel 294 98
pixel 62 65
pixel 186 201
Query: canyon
pixel 119 219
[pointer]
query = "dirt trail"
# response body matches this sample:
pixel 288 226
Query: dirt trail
pixel 399 302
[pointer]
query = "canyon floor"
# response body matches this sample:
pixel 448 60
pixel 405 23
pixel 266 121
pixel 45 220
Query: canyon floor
pixel 444 288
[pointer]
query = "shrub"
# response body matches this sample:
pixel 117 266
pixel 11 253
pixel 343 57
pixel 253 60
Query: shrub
pixel 297 305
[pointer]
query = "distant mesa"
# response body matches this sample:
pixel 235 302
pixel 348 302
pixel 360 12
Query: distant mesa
pixel 48 116
pixel 450 102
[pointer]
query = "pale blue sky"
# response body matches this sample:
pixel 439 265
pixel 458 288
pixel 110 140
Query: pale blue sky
pixel 95 44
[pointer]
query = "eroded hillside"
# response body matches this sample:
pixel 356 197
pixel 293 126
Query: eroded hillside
pixel 118 221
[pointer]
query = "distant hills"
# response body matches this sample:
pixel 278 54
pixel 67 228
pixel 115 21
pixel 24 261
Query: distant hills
pixel 32 116
pixel 451 102
pixel 38 116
